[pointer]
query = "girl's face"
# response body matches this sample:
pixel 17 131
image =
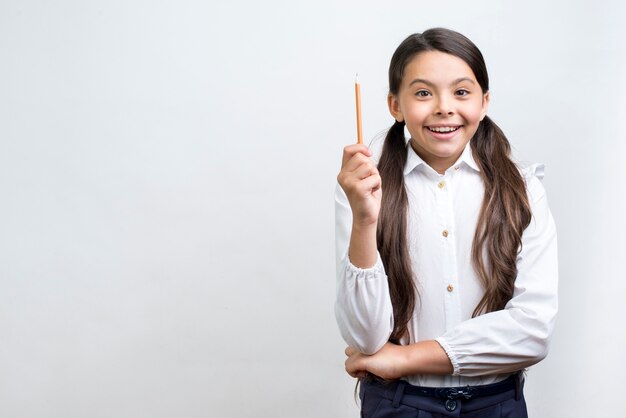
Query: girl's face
pixel 442 105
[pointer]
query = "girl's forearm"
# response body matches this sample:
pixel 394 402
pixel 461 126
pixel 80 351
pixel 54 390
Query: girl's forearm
pixel 363 249
pixel 426 357
pixel 395 361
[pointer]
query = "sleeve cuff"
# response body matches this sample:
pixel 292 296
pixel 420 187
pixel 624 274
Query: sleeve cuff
pixel 367 273
pixel 446 347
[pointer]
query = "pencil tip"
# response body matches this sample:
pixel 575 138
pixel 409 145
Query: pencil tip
pixel 357 78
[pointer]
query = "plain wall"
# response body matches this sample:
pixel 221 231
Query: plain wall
pixel 166 195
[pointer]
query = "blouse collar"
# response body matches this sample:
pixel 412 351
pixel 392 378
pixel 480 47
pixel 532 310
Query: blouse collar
pixel 413 160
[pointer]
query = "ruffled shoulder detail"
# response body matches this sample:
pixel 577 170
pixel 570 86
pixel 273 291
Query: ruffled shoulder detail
pixel 536 170
pixel 533 176
pixel 376 146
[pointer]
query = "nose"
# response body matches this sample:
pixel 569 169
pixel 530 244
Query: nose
pixel 444 106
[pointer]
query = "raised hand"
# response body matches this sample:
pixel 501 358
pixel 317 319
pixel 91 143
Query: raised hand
pixel 360 180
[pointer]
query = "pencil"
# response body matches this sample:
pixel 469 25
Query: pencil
pixel 357 90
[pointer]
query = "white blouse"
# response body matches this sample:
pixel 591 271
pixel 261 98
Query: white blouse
pixel 442 217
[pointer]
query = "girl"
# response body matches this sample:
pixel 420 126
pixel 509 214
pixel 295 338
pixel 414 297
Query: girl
pixel 446 250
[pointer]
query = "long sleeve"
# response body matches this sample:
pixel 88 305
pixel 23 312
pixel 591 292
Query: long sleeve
pixel 363 307
pixel 517 336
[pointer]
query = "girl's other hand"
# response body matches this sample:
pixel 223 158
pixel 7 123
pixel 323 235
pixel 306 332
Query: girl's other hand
pixel 387 363
pixel 360 180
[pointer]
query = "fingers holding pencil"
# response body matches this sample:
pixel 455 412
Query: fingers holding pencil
pixel 361 181
pixel 357 164
pixel 351 150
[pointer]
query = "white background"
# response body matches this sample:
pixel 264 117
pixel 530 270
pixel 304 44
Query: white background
pixel 166 195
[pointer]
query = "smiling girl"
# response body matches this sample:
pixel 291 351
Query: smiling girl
pixel 446 249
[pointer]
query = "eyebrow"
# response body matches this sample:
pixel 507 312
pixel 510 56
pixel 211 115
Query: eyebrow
pixel 428 83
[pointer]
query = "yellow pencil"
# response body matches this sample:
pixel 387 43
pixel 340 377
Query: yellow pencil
pixel 357 90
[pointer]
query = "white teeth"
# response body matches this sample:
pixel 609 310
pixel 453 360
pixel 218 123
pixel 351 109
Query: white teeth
pixel 443 129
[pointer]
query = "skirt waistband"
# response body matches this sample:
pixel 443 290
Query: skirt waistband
pixel 465 392
pixel 401 392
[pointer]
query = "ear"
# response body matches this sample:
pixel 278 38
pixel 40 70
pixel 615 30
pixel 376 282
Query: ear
pixel 483 111
pixel 394 108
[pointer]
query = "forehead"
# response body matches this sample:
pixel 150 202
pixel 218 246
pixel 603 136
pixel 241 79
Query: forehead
pixel 436 67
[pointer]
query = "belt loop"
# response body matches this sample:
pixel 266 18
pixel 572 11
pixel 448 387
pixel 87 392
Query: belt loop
pixel 519 385
pixel 397 398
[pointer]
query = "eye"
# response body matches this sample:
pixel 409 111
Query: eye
pixel 462 92
pixel 422 93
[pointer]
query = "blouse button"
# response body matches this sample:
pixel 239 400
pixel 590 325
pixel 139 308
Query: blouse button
pixel 445 233
pixel 450 288
pixel 441 184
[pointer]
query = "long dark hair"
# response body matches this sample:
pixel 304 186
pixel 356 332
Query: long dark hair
pixel 505 211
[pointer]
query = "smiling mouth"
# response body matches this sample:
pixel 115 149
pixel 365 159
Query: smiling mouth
pixel 443 129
